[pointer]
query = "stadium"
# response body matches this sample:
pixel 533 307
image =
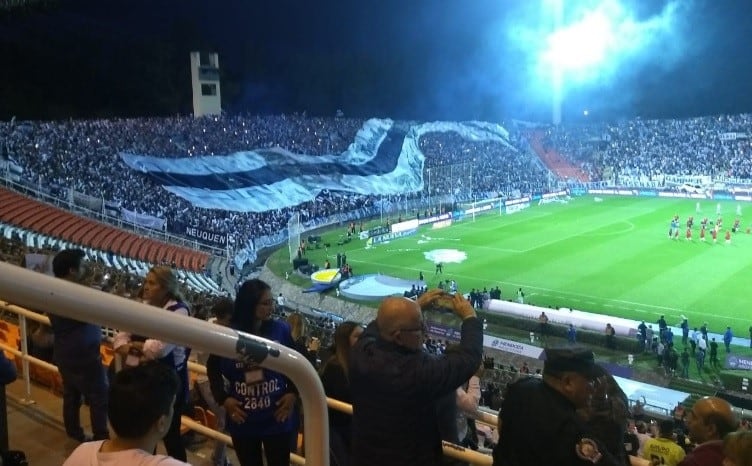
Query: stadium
pixel 595 223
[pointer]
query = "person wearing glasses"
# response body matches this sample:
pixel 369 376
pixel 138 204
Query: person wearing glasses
pixel 395 385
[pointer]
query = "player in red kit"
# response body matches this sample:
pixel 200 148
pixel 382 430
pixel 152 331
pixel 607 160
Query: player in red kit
pixel 714 233
pixel 702 234
pixel 728 237
pixel 689 234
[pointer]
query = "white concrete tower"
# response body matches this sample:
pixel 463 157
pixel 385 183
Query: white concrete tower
pixel 205 80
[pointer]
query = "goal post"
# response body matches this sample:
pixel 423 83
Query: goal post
pixel 448 183
pixel 482 207
pixel 294 229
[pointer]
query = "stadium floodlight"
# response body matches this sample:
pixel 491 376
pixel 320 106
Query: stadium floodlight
pixel 592 40
pixel 579 46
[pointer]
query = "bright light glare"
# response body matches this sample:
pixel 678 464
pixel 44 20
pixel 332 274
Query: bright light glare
pixel 582 44
pixel 603 35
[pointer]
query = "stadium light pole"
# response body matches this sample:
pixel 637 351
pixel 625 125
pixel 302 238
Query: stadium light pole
pixel 557 9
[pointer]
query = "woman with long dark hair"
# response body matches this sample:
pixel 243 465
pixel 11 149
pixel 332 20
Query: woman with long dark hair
pixel 259 402
pixel 334 377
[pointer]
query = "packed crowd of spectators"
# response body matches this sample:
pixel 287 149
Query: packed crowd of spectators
pixel 496 169
pixel 82 155
pixel 651 148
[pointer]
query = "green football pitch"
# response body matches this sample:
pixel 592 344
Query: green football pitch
pixel 611 257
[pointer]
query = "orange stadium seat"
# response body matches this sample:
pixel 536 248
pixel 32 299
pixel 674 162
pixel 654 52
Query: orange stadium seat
pixel 16 208
pixel 44 221
pixel 65 227
pixel 154 251
pixel 40 217
pixel 98 239
pixel 77 230
pixel 132 246
pixel 163 253
pixel 185 261
pixel 93 233
pixel 123 245
pixel 30 217
pixel 108 238
pixel 117 241
pixel 142 252
pixel 24 216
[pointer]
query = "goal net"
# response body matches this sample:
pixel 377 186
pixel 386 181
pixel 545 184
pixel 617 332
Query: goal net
pixel 448 184
pixel 294 229
pixel 469 210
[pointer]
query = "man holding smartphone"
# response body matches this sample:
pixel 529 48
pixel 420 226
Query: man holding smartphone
pixel 395 385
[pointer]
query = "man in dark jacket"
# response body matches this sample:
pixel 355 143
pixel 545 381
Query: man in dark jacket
pixel 395 384
pixel 538 424
pixel 76 353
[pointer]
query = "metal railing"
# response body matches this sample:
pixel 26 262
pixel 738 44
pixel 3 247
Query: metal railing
pixel 48 294
pixel 208 337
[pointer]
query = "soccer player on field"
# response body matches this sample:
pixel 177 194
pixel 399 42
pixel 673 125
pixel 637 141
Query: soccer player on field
pixel 728 237
pixel 735 228
pixel 702 234
pixel 689 234
pixel 676 233
pixel 674 226
pixel 714 234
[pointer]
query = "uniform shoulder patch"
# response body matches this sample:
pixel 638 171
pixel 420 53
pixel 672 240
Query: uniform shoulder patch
pixel 588 450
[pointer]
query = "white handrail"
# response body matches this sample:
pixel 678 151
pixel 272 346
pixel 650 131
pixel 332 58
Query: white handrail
pixel 49 294
pixel 451 450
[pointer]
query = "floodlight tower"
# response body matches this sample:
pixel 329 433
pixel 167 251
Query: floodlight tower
pixel 557 10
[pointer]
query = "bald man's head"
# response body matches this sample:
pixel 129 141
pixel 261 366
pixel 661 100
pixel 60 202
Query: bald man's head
pixel 400 321
pixel 711 418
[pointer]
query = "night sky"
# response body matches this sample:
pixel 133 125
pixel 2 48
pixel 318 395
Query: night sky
pixel 405 59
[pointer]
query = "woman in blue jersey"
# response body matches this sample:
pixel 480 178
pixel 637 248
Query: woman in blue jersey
pixel 162 289
pixel 259 402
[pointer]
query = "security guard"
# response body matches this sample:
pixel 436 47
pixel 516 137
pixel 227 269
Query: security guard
pixel 537 421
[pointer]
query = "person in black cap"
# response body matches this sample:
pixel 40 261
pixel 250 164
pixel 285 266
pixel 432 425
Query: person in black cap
pixel 538 423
